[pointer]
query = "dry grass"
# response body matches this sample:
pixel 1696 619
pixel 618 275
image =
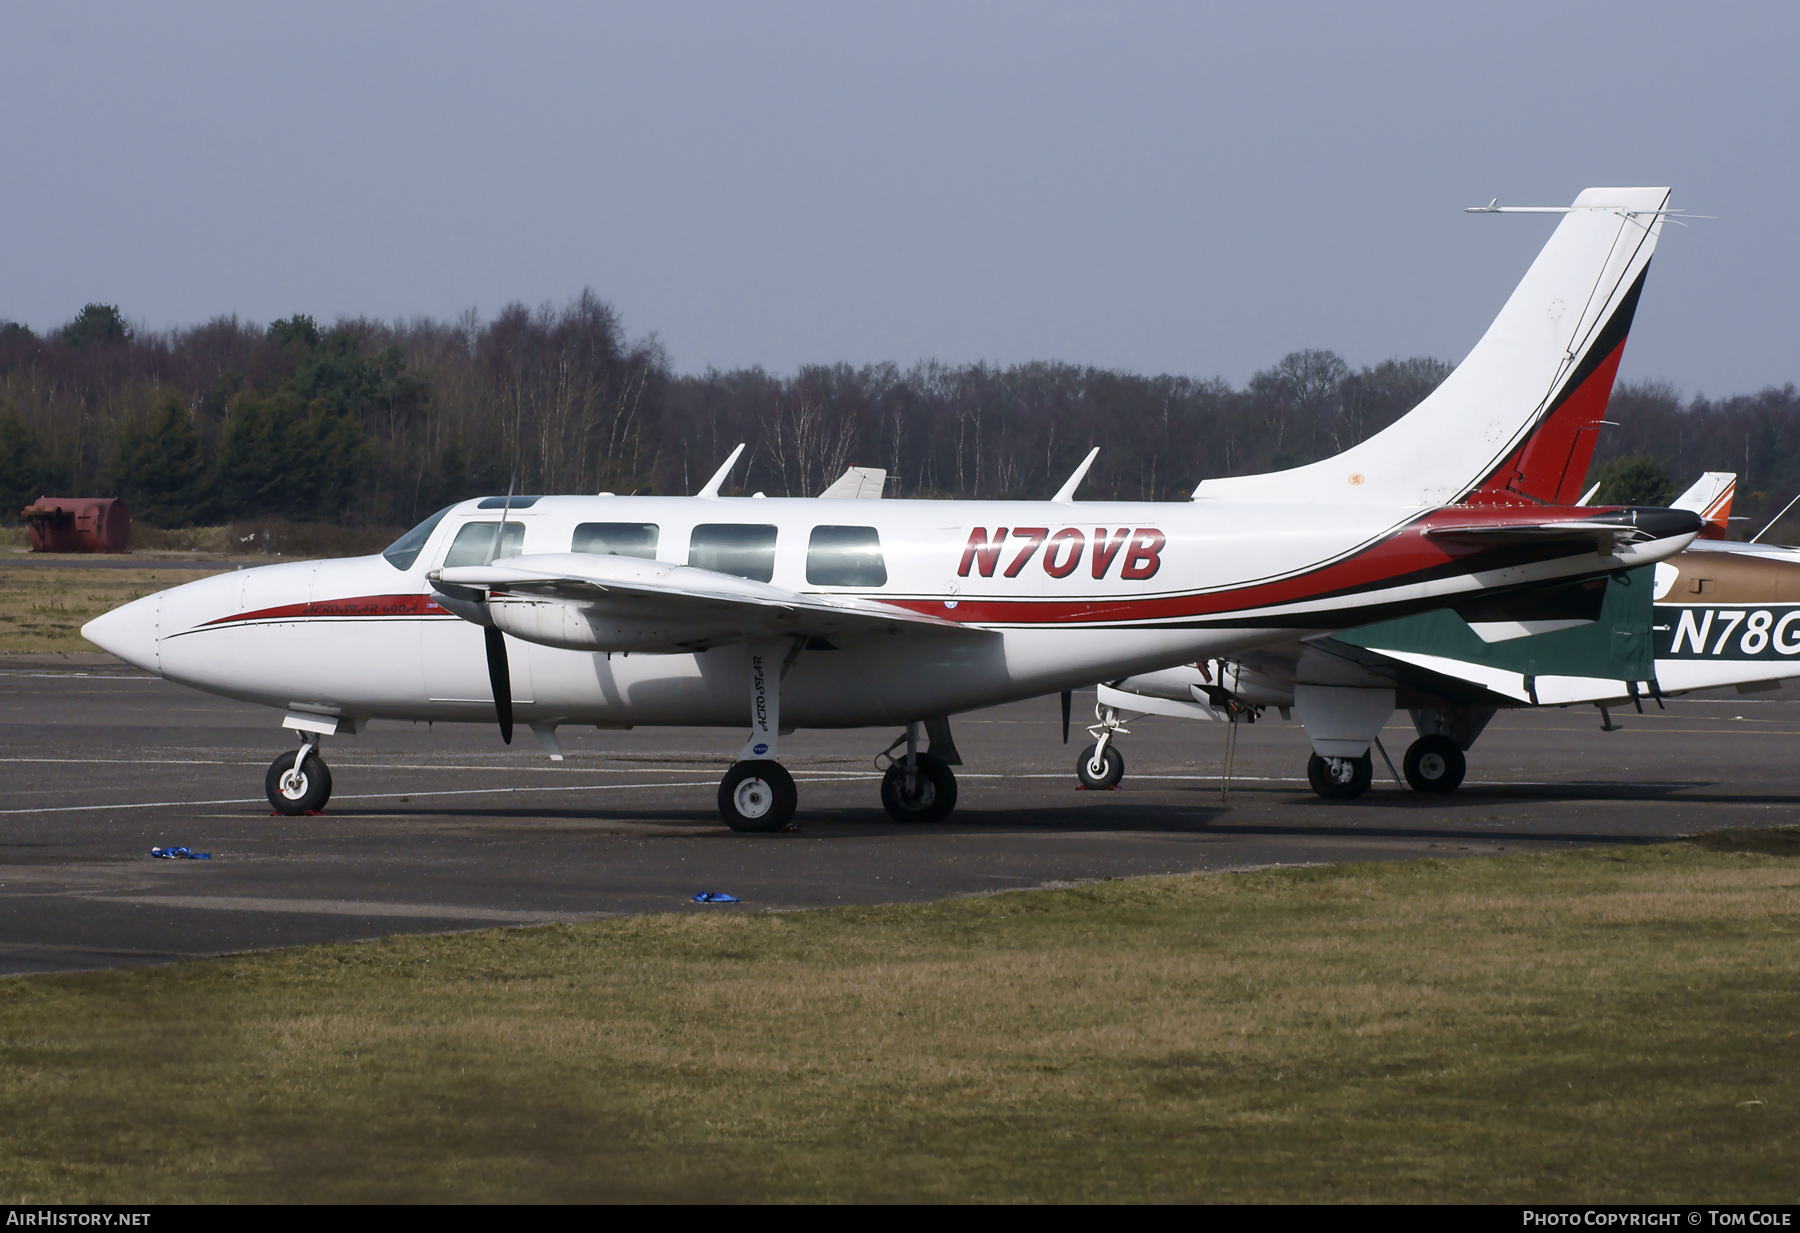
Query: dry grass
pixel 1598 1026
pixel 267 538
pixel 42 608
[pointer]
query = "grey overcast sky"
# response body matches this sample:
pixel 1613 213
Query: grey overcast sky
pixel 1166 188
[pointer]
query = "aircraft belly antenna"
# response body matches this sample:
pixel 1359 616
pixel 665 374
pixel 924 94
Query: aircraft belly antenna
pixel 710 489
pixel 1066 494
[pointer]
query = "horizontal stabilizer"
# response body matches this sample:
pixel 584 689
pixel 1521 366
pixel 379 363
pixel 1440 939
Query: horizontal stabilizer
pixel 1633 524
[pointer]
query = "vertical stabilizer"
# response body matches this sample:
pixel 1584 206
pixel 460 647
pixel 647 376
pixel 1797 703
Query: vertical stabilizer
pixel 1516 422
pixel 1710 497
pixel 865 483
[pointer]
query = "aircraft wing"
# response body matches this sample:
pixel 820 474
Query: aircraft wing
pixel 677 605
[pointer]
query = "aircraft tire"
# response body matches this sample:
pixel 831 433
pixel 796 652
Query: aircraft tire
pixel 1115 768
pixel 297 796
pixel 933 795
pixel 757 796
pixel 1434 764
pixel 1327 785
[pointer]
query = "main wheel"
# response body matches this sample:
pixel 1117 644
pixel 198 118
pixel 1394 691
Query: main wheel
pixel 1110 772
pixel 933 795
pixel 299 792
pixel 1434 764
pixel 757 795
pixel 1340 779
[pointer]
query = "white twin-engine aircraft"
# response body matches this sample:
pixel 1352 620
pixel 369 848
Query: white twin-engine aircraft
pixel 835 613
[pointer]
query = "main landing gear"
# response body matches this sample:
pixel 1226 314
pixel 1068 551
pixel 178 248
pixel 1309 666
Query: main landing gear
pixel 758 795
pixel 299 783
pixel 919 786
pixel 1339 779
pixel 1434 764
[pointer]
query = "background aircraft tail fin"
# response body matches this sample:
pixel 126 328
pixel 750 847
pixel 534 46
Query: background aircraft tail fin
pixel 1710 497
pixel 1516 422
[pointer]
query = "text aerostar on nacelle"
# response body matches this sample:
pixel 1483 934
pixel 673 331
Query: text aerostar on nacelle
pixel 843 613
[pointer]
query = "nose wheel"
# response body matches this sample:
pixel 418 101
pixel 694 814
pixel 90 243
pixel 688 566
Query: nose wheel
pixel 1102 765
pixel 298 783
pixel 1099 769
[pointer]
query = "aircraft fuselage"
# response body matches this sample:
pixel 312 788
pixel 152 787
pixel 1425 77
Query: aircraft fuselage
pixel 1048 596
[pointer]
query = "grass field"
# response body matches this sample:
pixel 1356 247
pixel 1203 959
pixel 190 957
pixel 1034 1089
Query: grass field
pixel 42 609
pixel 1607 1025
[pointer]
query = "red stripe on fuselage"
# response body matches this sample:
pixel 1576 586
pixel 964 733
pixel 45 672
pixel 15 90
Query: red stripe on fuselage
pixel 360 607
pixel 1403 555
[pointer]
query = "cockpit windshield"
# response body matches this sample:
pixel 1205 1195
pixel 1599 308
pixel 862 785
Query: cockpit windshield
pixel 404 551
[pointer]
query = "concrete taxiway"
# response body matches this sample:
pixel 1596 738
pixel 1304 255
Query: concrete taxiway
pixel 439 829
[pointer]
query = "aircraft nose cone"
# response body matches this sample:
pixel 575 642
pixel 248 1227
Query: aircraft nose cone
pixel 129 632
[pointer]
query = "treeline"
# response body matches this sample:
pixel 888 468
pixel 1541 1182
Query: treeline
pixel 377 424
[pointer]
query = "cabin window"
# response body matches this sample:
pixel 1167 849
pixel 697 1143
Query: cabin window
pixel 404 551
pixel 476 539
pixel 734 548
pixel 845 557
pixel 616 539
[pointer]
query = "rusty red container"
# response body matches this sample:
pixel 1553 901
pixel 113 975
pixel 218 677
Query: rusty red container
pixel 78 524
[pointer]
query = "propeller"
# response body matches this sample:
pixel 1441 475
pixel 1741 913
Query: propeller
pixel 1068 696
pixel 499 671
pixel 500 677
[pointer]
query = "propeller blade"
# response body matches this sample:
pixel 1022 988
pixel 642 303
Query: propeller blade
pixel 500 677
pixel 1068 697
pixel 494 548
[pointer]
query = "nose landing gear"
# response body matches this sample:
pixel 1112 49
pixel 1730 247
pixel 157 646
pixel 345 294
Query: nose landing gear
pixel 1102 764
pixel 1098 768
pixel 299 783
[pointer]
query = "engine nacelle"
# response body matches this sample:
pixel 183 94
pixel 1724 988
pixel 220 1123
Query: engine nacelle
pixel 582 627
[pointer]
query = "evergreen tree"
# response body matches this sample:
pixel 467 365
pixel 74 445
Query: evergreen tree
pixel 160 467
pixel 1636 479
pixel 283 458
pixel 96 324
pixel 18 472
pixel 298 332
